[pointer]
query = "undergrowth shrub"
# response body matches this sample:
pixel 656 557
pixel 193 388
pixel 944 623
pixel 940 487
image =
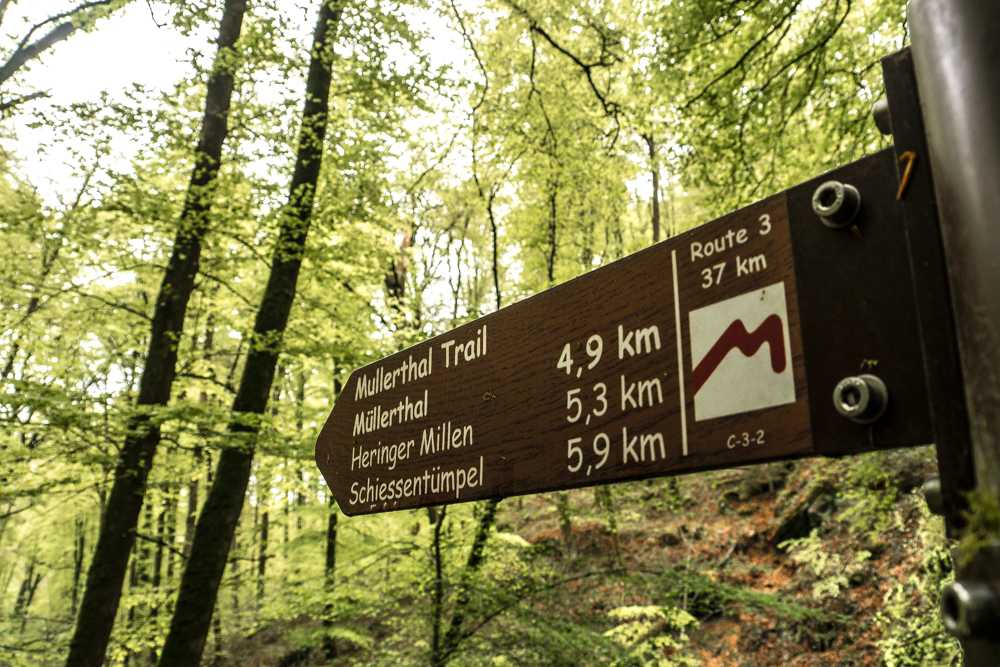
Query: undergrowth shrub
pixel 829 572
pixel 912 633
pixel 652 635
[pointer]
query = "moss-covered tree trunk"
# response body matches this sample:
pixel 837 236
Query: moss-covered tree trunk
pixel 117 535
pixel 217 521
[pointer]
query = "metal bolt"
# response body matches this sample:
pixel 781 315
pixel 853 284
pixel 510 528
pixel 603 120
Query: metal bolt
pixel 969 609
pixel 861 398
pixel 880 112
pixel 836 203
pixel 933 496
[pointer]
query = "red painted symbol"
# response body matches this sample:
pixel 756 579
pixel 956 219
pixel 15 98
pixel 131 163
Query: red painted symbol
pixel 732 371
pixel 737 337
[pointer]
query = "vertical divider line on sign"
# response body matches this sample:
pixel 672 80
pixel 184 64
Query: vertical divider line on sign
pixel 680 354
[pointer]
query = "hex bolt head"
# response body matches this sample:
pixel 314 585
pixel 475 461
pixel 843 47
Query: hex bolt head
pixel 861 398
pixel 969 609
pixel 837 204
pixel 880 112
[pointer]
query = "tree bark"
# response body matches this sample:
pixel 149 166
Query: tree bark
pixel 330 572
pixel 437 605
pixel 157 577
pixel 170 533
pixel 117 535
pixel 453 637
pixel 654 170
pixel 217 522
pixel 26 593
pixel 79 544
pixel 262 544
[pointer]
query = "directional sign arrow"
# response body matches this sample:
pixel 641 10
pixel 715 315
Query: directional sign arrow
pixel 590 381
pixel 685 356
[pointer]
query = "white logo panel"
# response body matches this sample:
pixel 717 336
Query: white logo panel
pixel 740 354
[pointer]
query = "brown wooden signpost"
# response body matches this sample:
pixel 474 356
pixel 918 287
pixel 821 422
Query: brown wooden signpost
pixel 685 356
pixel 690 355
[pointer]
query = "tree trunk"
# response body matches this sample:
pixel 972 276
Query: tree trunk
pixel 26 593
pixel 79 545
pixel 117 535
pixel 265 525
pixel 330 568
pixel 550 258
pixel 234 571
pixel 157 578
pixel 654 170
pixel 217 522
pixel 170 533
pixel 330 572
pixel 133 582
pixel 66 23
pixel 477 552
pixel 437 605
pixel 191 513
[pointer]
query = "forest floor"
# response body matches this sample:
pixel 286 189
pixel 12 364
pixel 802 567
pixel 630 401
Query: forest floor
pixel 835 595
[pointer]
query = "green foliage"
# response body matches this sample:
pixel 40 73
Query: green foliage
pixel 983 525
pixel 653 636
pixel 830 573
pixel 704 597
pixel 910 623
pixel 870 493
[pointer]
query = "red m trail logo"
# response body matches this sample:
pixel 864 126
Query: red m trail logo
pixel 740 356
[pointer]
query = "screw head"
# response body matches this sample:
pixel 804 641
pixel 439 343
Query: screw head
pixel 969 609
pixel 836 204
pixel 861 398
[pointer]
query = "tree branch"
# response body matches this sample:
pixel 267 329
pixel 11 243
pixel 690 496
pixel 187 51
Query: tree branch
pixel 28 50
pixel 606 59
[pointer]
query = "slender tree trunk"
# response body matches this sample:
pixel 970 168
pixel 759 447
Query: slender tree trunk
pixel 330 572
pixel 437 605
pixel 449 643
pixel 217 522
pixel 330 568
pixel 26 593
pixel 477 553
pixel 234 571
pixel 553 229
pixel 263 535
pixel 117 535
pixel 140 575
pixel 79 545
pixel 133 583
pixel 157 578
pixel 191 514
pixel 170 533
pixel 654 170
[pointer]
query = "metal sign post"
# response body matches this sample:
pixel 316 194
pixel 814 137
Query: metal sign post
pixel 956 60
